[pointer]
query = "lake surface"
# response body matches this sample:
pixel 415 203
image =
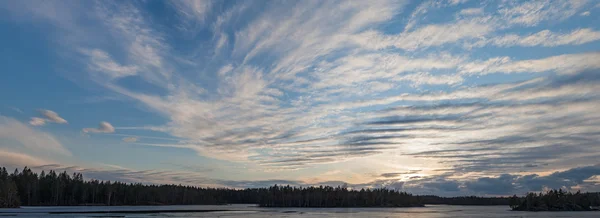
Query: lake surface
pixel 233 211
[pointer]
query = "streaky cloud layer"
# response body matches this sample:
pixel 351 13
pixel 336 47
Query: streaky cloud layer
pixel 444 97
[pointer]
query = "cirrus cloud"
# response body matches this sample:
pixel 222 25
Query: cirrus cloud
pixel 103 127
pixel 489 93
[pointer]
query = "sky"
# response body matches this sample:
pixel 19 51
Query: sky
pixel 449 97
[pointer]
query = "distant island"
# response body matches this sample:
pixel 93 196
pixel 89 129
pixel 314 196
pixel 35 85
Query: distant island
pixel 27 188
pixel 556 200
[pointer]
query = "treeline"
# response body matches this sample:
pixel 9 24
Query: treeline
pixel 286 196
pixel 27 188
pixel 8 190
pixel 556 200
pixel 464 200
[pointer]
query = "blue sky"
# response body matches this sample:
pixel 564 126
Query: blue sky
pixel 448 97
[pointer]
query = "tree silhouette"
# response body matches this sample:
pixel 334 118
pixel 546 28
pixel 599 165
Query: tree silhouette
pixel 27 188
pixel 557 200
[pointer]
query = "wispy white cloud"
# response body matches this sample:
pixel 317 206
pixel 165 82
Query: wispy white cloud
pixel 473 29
pixel 457 2
pixel 193 9
pixel 427 36
pixel 303 84
pixel 372 67
pixel 130 139
pixel 146 137
pixel 124 174
pixel 28 138
pixel 52 116
pixel 248 115
pixel 543 38
pixel 471 11
pixel 102 63
pixel 530 13
pixel 145 48
pixel 246 101
pixel 563 64
pixel 103 127
pixel 426 78
pixel 222 41
pixel 16 159
pixel 49 116
pixel 36 121
pixel 418 13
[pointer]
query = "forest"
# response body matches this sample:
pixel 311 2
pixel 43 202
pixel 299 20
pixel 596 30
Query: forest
pixel 464 200
pixel 28 188
pixel 286 196
pixel 556 200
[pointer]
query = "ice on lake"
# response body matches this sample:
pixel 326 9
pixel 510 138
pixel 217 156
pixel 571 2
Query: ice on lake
pixel 233 211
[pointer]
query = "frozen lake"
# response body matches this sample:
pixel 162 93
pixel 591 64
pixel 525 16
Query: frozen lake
pixel 252 211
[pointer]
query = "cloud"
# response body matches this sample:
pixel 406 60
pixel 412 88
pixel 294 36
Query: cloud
pixel 531 13
pixel 246 98
pixel 16 159
pixel 577 175
pixel 101 62
pixel 130 139
pixel 144 47
pixel 442 127
pixel 384 67
pixel 511 126
pixel 543 38
pixel 193 9
pixel 585 13
pixel 29 139
pixel 122 174
pixel 502 185
pixel 36 121
pixel 457 2
pixel 508 184
pixel 49 116
pixel 418 13
pixel 392 175
pixel 223 40
pixel 103 127
pixel 225 69
pixel 191 168
pixel 288 86
pixel 471 11
pixel 53 116
pixel 426 78
pixel 442 186
pixel 477 30
pixel 427 36
pixel 563 64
